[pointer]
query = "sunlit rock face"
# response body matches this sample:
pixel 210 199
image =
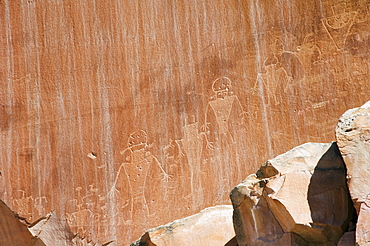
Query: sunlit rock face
pixel 363 224
pixel 299 197
pixel 124 115
pixel 353 137
pixel 210 227
pixel 49 230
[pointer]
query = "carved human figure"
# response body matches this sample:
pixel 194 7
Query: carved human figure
pixel 338 25
pixel 184 158
pixel 192 146
pixel 141 170
pixel 283 71
pixel 23 206
pixel 275 81
pixel 225 135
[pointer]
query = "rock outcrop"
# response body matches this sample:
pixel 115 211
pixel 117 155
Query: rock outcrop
pixel 46 231
pixel 348 239
pixel 297 198
pixel 54 231
pixel 212 226
pixel 353 137
pixel 123 115
pixel 363 224
pixel 14 230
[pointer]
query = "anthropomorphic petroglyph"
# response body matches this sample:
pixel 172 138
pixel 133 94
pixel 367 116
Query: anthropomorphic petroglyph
pixel 192 146
pixel 25 205
pixel 140 170
pixel 39 204
pixel 275 81
pixel 219 111
pixel 185 157
pixel 86 214
pixel 224 129
pixel 338 26
pixel 283 70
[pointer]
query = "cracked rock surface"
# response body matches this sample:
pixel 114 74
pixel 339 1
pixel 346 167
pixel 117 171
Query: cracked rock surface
pixel 297 198
pixel 353 137
pixel 211 227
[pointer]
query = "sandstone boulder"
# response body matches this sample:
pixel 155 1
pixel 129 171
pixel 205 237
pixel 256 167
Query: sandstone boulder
pixel 212 226
pixel 297 198
pixel 54 231
pixel 353 138
pixel 348 239
pixel 363 224
pixel 253 220
pixel 14 231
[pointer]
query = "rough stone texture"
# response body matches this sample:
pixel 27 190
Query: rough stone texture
pixel 253 220
pixel 54 231
pixel 363 224
pixel 47 231
pixel 353 137
pixel 348 239
pixel 213 88
pixel 13 231
pixel 210 227
pixel 302 192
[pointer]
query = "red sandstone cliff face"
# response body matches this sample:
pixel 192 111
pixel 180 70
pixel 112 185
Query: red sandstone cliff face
pixel 123 115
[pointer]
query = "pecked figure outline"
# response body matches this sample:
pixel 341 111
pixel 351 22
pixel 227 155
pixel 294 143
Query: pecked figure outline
pixel 226 144
pixel 338 26
pixel 217 117
pixel 141 169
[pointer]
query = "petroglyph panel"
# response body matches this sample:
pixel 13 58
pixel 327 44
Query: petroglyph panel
pixel 124 115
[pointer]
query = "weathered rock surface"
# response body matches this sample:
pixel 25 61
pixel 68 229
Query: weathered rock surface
pixel 297 198
pixel 80 78
pixel 47 231
pixel 348 239
pixel 211 227
pixel 54 231
pixel 353 138
pixel 363 224
pixel 13 231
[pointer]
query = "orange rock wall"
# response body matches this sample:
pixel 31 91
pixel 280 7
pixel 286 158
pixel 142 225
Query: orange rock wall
pixel 124 115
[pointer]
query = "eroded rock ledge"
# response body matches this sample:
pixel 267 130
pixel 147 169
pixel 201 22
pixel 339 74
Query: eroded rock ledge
pixel 47 231
pixel 297 198
pixel 353 138
pixel 211 227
